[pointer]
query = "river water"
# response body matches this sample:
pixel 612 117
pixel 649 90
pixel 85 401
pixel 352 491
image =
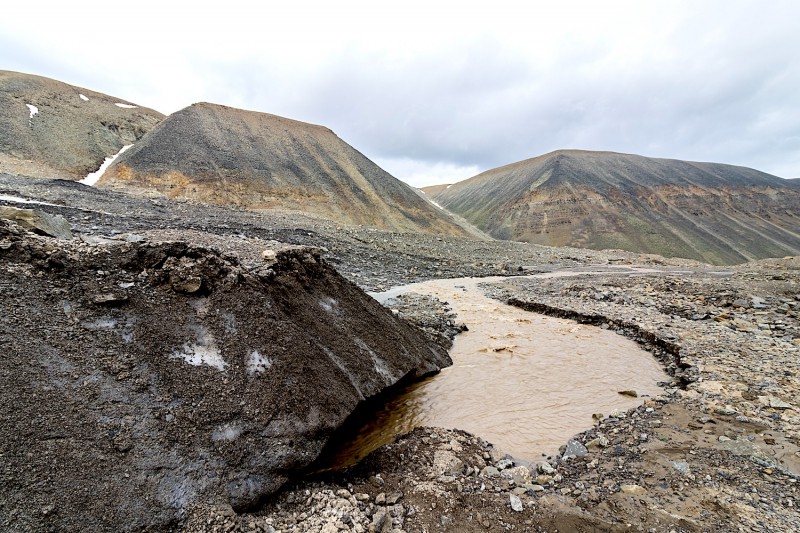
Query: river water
pixel 523 381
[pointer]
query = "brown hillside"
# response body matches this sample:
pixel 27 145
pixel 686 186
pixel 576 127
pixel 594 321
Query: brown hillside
pixel 51 129
pixel 217 154
pixel 721 214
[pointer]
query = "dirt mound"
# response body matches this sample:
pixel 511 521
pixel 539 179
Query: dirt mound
pixel 719 214
pixel 221 155
pixel 141 379
pixel 51 129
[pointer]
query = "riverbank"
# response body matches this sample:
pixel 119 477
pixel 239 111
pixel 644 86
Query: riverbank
pixel 717 452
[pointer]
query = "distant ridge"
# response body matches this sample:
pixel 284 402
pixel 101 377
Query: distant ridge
pixel 51 129
pixel 720 214
pixel 222 155
pixel 433 190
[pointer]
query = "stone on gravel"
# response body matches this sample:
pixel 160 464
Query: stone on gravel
pixel 634 490
pixel 38 221
pixel 446 463
pixel 574 449
pixel 516 503
pixel 777 403
pixel 520 474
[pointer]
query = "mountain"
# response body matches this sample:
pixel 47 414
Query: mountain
pixel 433 190
pixel 720 214
pixel 52 129
pixel 221 155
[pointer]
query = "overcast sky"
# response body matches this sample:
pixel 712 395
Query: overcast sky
pixel 438 91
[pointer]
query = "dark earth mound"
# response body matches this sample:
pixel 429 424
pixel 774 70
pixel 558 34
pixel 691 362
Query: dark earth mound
pixel 141 379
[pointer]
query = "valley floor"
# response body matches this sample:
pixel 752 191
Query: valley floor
pixel 719 451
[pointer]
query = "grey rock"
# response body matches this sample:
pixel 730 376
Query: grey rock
pixel 574 449
pixel 681 467
pixel 446 463
pixel 745 448
pixel 490 471
pixel 504 464
pixel 393 498
pixel 516 503
pixel 38 221
pixel 777 403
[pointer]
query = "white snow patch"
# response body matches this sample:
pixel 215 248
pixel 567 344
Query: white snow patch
pixel 18 200
pixel 93 177
pixel 198 354
pixel 437 205
pixel 33 109
pixel 257 363
pixel 448 186
pixel 84 97
pixel 125 106
pixel 202 352
pixel 226 432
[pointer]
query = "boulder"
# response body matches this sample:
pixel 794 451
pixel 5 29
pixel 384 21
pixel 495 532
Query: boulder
pixel 38 221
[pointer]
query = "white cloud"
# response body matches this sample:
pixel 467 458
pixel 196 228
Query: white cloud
pixel 421 173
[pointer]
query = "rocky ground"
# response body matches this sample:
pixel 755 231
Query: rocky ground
pixel 718 451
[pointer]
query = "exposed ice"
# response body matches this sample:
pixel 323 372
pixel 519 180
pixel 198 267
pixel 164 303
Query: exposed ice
pixel 202 352
pixel 257 363
pixel 226 432
pixel 198 354
pixel 328 304
pixel 93 177
pixel 379 364
pixel 125 106
pixel 33 109
pixel 84 97
pixel 100 323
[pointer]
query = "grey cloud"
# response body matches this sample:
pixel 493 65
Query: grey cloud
pixel 718 86
pixel 485 105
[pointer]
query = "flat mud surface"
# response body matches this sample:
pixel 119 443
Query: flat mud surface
pixel 717 451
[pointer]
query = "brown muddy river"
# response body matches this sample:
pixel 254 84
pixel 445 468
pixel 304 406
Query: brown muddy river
pixel 523 381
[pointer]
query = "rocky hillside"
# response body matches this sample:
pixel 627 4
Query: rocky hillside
pixel 141 379
pixel 51 129
pixel 720 214
pixel 217 154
